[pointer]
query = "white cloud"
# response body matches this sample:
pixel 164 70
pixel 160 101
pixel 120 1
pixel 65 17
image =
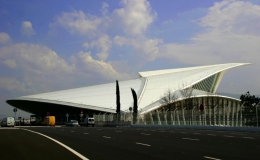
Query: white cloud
pixel 135 17
pixel 103 44
pixel 33 68
pixel 34 57
pixel 10 63
pixel 4 37
pixel 37 67
pixel 13 85
pixel 78 22
pixel 231 35
pixel 104 8
pixel 228 37
pixel 27 29
pixel 146 48
pixel 97 68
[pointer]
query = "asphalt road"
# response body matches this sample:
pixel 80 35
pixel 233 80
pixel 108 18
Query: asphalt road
pixel 149 143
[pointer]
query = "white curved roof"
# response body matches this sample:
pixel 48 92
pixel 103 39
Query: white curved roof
pixel 149 88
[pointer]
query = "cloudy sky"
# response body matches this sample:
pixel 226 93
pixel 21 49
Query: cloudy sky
pixel 54 45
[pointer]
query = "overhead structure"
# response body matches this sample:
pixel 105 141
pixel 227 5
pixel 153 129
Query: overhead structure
pixel 149 87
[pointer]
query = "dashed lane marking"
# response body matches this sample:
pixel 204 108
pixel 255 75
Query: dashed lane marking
pixel 238 134
pixel 63 145
pixel 228 136
pixel 86 133
pixel 106 137
pixel 249 137
pixel 191 139
pixel 72 131
pixel 146 134
pixel 211 158
pixel 143 144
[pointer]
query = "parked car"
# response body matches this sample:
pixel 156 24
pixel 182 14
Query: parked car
pixel 8 122
pixel 88 121
pixel 72 123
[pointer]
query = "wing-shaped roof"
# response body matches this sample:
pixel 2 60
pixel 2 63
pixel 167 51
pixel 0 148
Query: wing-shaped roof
pixel 149 88
pixel 176 79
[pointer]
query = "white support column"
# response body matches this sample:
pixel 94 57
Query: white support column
pixel 236 114
pixel 214 110
pixel 209 108
pixel 151 117
pixel 192 118
pixel 241 117
pixel 224 112
pixel 219 119
pixel 165 117
pixel 232 106
pixel 183 116
pixel 178 118
pixel 228 113
pixel 172 119
pixel 158 118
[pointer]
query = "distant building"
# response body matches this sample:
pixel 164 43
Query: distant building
pixel 150 87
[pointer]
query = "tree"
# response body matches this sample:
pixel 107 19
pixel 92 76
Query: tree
pixel 249 110
pixel 187 95
pixel 168 99
pixel 135 108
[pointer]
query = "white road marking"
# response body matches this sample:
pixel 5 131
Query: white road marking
pixel 191 139
pixel 228 136
pixel 211 158
pixel 146 134
pixel 8 128
pixel 143 144
pixel 238 133
pixel 63 145
pixel 249 137
pixel 71 131
pixel 85 133
pixel 211 134
pixel 106 137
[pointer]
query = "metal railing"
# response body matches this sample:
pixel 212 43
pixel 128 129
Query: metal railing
pixel 210 116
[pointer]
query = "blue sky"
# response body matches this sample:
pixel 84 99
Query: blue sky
pixel 54 45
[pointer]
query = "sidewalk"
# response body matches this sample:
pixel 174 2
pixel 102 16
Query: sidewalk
pixel 217 128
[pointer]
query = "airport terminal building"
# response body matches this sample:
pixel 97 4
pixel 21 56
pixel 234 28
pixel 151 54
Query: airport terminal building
pixel 150 87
